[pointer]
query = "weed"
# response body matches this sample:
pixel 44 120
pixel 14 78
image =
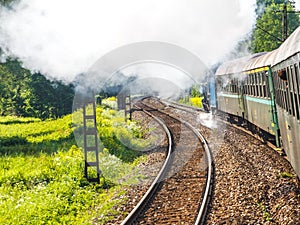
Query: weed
pixel 286 175
pixel 41 170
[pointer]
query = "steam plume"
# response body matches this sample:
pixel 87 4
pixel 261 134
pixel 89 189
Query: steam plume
pixel 63 38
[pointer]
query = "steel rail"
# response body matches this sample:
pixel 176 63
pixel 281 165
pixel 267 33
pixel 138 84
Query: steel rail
pixel 202 213
pixel 210 171
pixel 133 215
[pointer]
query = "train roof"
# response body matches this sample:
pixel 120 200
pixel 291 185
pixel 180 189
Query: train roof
pixel 237 65
pixel 261 61
pixel 289 47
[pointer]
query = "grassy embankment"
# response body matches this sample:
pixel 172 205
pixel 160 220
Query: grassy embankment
pixel 41 169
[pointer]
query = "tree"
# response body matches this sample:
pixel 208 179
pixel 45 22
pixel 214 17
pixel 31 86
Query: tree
pixel 26 94
pixel 261 5
pixel 14 91
pixel 267 34
pixel 195 91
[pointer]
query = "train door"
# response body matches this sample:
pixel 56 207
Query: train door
pixel 275 124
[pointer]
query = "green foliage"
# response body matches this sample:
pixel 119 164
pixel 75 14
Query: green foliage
pixel 268 31
pixel 122 139
pixel 49 189
pixel 195 91
pixel 118 171
pixel 15 120
pixel 121 143
pixel 26 94
pixel 29 135
pixel 41 171
pixel 6 2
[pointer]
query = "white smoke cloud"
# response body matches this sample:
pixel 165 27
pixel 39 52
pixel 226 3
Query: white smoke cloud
pixel 297 4
pixel 62 38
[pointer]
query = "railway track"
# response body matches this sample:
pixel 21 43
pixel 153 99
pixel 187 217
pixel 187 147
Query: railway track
pixel 218 118
pixel 181 191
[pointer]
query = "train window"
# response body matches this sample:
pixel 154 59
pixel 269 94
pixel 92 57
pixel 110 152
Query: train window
pixel 260 78
pixel 261 84
pixel 295 73
pixel 245 85
pixel 235 85
pixel 291 90
pixel 286 101
pixel 266 85
pixel 277 90
pixel 253 85
pixel 248 89
pixel 282 88
pixel 297 78
pixel 250 84
pixel 296 106
pixel 287 95
pixel 275 85
pixel 261 91
pixel 290 79
pixel 282 93
pixel 292 103
pixel 232 86
pixel 256 84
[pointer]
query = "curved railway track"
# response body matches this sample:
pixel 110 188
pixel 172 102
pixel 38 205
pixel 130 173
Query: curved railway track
pixel 181 191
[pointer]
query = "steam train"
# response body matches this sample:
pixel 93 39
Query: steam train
pixel 262 92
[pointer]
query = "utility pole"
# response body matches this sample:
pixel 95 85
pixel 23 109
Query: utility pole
pixel 284 22
pixel 284 13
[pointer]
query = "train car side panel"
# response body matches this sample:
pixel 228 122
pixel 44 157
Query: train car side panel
pixel 286 77
pixel 290 131
pixel 230 103
pixel 259 112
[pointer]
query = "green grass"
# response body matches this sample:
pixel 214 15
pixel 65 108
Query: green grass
pixel 41 169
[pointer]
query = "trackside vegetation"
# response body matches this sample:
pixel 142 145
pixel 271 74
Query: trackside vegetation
pixel 41 169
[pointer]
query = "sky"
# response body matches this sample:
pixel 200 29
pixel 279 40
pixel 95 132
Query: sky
pixel 297 4
pixel 63 38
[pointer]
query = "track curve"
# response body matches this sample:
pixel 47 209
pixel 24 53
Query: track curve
pixel 183 187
